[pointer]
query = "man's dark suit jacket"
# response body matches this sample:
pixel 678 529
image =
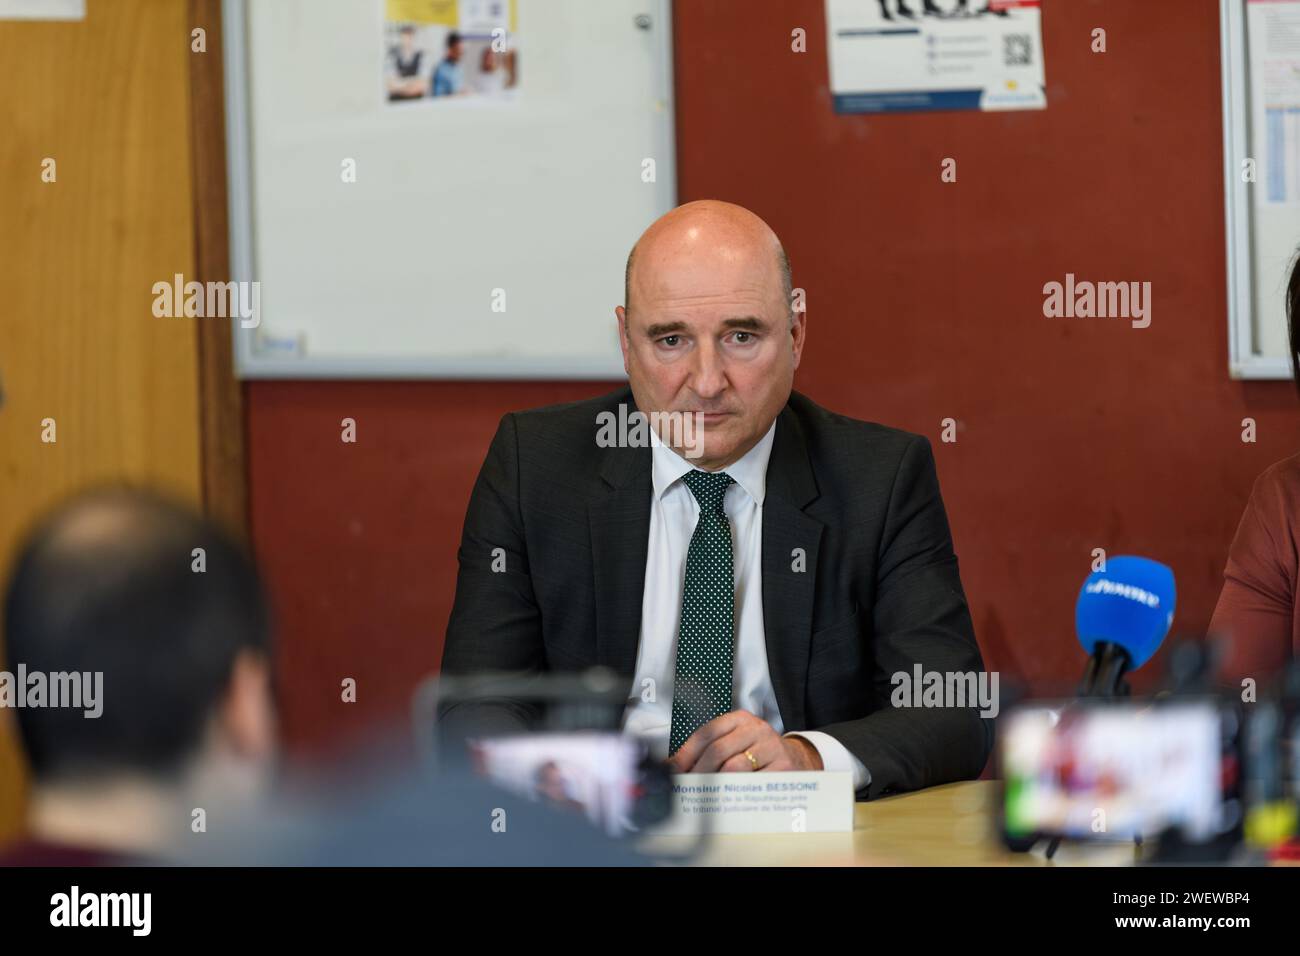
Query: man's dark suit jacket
pixel 879 592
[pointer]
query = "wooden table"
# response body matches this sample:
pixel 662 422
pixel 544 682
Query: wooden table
pixel 951 825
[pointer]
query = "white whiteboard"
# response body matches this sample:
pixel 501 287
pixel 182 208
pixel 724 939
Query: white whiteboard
pixel 535 195
pixel 1261 125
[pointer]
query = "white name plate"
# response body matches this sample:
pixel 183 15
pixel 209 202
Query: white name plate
pixel 791 802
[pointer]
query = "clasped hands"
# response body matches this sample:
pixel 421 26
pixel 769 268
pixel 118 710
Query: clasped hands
pixel 720 747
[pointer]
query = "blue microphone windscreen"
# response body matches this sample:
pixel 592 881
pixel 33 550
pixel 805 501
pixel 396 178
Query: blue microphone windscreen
pixel 1131 604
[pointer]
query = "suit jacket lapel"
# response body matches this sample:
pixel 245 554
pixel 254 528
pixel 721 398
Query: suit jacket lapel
pixel 788 593
pixel 620 535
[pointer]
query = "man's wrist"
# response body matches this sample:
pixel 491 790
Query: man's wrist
pixel 812 757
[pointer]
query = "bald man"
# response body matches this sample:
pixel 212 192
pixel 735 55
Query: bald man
pixel 761 569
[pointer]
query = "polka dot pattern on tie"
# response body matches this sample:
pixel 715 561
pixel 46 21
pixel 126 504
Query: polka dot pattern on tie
pixel 706 638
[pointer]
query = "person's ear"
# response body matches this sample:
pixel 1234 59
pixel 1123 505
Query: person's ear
pixel 620 314
pixel 247 712
pixel 798 335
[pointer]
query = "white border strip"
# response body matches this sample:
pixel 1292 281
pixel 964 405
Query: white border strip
pixel 1244 358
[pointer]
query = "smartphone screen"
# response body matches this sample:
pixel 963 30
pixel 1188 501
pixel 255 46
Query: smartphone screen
pixel 606 777
pixel 1114 770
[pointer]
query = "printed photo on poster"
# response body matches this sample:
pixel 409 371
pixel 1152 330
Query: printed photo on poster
pixel 450 50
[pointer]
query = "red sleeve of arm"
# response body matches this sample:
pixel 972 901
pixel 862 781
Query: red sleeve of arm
pixel 1254 616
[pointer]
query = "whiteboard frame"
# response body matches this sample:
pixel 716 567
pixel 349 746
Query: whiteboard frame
pixel 249 364
pixel 1244 358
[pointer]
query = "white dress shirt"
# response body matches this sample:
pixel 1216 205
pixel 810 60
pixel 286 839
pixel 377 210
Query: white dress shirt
pixel 673 515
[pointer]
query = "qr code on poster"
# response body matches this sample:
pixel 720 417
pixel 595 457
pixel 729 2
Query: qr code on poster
pixel 1016 49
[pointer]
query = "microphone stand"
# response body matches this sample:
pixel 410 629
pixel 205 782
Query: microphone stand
pixel 1103 680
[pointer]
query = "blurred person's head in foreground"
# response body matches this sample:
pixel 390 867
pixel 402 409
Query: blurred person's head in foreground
pixel 169 610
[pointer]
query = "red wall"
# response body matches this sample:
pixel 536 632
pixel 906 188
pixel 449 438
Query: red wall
pixel 925 302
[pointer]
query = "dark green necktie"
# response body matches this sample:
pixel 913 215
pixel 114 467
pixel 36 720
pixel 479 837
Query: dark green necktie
pixel 706 640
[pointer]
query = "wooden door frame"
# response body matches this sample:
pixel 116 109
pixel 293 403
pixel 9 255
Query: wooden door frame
pixel 223 465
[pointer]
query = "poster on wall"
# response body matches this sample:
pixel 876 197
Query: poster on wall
pixel 450 50
pixel 910 55
pixel 1273 35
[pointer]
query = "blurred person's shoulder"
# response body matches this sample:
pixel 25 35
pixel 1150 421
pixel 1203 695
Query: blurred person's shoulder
pixel 1278 484
pixel 1275 501
pixel 32 852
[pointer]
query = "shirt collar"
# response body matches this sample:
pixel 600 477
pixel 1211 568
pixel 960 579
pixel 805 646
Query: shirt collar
pixel 749 471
